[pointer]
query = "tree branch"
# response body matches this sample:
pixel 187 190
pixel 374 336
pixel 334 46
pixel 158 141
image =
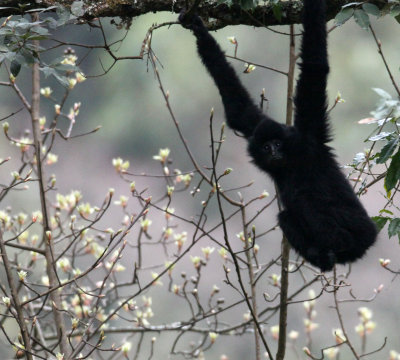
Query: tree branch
pixel 225 15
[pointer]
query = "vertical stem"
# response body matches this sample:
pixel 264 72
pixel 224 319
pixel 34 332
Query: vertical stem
pixel 290 87
pixel 15 300
pixel 49 249
pixel 336 288
pixel 229 247
pixel 252 284
pixel 280 355
pixel 379 44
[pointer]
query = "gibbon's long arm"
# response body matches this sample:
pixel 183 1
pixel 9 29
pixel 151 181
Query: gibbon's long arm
pixel 241 112
pixel 310 99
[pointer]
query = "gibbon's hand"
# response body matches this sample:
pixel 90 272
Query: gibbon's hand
pixel 191 22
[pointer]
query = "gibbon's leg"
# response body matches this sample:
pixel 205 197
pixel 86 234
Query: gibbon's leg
pixel 293 232
pixel 325 259
pixel 317 254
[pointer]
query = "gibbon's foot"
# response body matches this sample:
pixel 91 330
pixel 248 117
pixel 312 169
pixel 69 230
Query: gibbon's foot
pixel 322 258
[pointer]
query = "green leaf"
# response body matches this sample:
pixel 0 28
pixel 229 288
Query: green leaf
pixel 66 67
pixel 393 173
pixel 7 40
pixel 371 9
pixel 40 30
pixel 77 8
pixel 384 135
pixel 247 4
pixel 385 211
pixel 382 93
pixel 37 37
pixel 15 68
pixel 64 16
pixel 62 79
pixel 394 227
pixel 395 10
pixel 47 71
pixel 387 151
pixel 362 19
pixel 52 23
pixel 5 31
pixel 343 16
pixel 277 11
pixel 29 57
pixel 380 221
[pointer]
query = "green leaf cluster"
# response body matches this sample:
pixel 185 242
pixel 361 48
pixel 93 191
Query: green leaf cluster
pixel 394 224
pixel 385 116
pixel 387 111
pixel 361 11
pixel 18 33
pixel 244 4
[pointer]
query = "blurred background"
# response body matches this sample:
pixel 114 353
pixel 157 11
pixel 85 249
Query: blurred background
pixel 128 105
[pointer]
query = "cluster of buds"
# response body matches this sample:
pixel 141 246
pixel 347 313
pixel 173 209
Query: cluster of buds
pixel 366 325
pixel 207 251
pixel 223 253
pixel 125 348
pixel 162 155
pixel 309 305
pixel 186 178
pixel 213 336
pixel 249 68
pixel 384 262
pixel 123 201
pixel 46 92
pixel 74 112
pixel 69 201
pixel 145 224
pixel 120 165
pixel 394 355
pixel 180 239
pixel 274 332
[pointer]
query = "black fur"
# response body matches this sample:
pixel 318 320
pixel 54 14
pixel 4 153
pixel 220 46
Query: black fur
pixel 322 218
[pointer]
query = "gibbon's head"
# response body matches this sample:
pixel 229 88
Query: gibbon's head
pixel 269 145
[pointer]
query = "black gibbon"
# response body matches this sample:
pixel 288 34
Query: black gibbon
pixel 322 218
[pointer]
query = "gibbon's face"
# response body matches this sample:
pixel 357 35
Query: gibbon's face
pixel 273 152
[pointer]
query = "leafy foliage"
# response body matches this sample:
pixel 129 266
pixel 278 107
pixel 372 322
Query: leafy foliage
pixel 16 47
pixel 361 12
pixel 244 4
pixel 385 117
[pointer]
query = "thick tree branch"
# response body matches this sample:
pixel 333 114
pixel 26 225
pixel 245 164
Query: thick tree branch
pixel 225 15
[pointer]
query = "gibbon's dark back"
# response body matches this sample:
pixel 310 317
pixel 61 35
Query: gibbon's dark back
pixel 322 218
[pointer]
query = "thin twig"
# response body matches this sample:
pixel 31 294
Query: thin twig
pixel 280 355
pixel 17 304
pixel 335 291
pixel 379 44
pixel 231 251
pixel 49 250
